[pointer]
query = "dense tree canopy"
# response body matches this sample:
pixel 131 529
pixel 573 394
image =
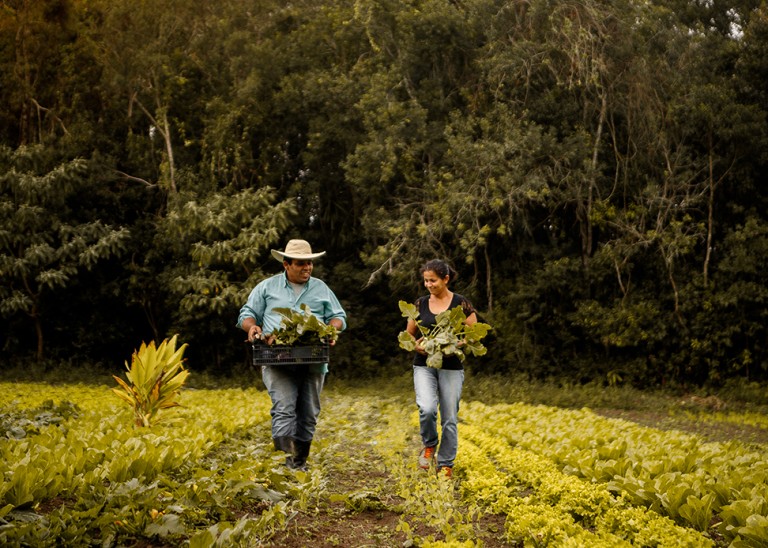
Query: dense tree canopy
pixel 594 170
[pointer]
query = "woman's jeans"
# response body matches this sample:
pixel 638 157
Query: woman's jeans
pixel 439 388
pixel 295 393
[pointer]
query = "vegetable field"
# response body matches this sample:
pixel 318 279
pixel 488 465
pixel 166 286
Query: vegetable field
pixel 76 472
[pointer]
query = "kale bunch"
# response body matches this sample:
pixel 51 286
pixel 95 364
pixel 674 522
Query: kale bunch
pixel 449 336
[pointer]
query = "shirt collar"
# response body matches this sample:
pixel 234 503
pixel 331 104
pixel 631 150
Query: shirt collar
pixel 286 283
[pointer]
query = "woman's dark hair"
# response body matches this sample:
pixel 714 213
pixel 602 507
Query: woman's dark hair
pixel 441 268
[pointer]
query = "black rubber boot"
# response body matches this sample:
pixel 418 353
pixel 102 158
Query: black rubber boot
pixel 301 454
pixel 286 445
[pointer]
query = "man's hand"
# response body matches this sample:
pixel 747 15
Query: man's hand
pixel 337 323
pixel 254 331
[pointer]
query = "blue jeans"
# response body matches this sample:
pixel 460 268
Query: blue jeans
pixel 295 393
pixel 439 388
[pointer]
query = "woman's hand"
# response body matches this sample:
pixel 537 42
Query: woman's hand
pixel 419 348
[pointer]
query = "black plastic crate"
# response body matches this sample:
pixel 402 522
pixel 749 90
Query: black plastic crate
pixel 264 354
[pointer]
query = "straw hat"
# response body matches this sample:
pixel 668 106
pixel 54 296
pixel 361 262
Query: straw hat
pixel 296 249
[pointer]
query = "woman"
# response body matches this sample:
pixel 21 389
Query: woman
pixel 438 389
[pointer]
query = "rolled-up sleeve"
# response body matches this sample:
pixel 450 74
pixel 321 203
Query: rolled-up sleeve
pixel 253 307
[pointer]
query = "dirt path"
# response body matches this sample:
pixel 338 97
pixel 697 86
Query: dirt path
pixel 365 466
pixel 715 431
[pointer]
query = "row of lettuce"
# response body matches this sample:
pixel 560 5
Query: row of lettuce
pixel 80 473
pixel 718 489
pixel 569 477
pixel 542 505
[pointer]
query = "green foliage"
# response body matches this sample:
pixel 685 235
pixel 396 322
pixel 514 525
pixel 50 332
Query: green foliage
pixel 206 256
pixel 299 327
pixel 155 378
pixel 450 336
pixel 20 423
pixel 670 473
pixel 213 478
pixel 592 170
pixel 219 242
pixel 125 484
pixel 44 242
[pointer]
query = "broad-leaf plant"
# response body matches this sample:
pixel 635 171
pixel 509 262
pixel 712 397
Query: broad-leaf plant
pixel 301 327
pixel 450 335
pixel 155 378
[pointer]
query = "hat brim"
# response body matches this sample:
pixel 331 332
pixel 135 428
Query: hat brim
pixel 281 256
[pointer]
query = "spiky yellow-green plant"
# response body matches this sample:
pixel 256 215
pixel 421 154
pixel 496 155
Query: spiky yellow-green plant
pixel 155 378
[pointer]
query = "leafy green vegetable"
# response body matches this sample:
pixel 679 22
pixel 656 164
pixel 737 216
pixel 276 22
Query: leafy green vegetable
pixel 302 327
pixel 450 336
pixel 155 378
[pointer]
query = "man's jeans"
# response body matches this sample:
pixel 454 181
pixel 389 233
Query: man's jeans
pixel 295 392
pixel 439 387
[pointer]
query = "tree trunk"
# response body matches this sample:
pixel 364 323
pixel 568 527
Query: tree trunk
pixel 166 132
pixel 39 331
pixel 488 283
pixel 164 127
pixel 710 214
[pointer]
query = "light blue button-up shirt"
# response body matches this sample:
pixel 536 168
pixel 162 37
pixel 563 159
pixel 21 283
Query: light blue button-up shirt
pixel 277 292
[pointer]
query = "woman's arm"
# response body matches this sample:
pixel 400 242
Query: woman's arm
pixel 413 331
pixel 412 328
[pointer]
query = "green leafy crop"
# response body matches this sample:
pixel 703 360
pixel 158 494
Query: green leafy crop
pixel 155 378
pixel 302 327
pixel 449 336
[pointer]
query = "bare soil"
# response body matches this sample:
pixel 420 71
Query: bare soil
pixel 715 431
pixel 370 520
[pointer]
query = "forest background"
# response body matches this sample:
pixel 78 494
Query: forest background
pixel 595 171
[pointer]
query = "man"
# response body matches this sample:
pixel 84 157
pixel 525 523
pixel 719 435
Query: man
pixel 294 388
